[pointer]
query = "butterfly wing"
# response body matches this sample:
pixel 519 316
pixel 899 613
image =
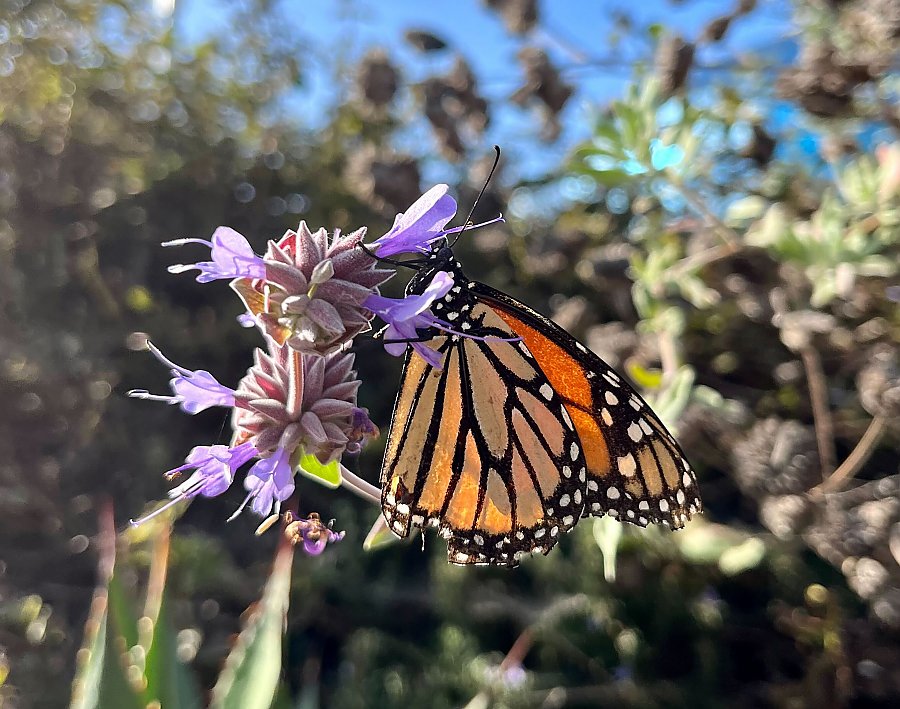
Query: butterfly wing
pixel 635 469
pixel 483 449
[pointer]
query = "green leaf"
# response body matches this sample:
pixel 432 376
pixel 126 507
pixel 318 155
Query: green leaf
pixel 327 475
pixel 379 536
pixel 644 378
pixel 609 178
pixel 751 207
pixel 672 401
pixel 743 557
pixel 168 679
pixel 705 543
pixel 100 679
pixel 607 533
pixel 252 672
pixel 122 611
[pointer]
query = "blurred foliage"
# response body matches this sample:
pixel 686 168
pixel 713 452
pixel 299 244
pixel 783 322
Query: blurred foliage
pixel 726 236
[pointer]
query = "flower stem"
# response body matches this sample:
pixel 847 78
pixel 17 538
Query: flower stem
pixel 295 393
pixel 857 458
pixel 360 487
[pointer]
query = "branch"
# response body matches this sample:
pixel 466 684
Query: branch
pixel 818 395
pixel 857 458
pixel 729 235
pixel 703 258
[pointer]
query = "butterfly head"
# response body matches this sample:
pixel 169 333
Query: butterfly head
pixel 440 258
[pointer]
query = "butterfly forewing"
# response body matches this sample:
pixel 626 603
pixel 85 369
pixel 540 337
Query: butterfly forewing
pixel 635 469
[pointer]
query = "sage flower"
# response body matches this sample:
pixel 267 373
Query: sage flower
pixel 416 229
pixel 193 390
pixel 311 297
pixel 405 316
pixel 311 532
pixel 232 257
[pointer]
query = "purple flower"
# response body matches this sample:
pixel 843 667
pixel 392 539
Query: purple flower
pixel 288 400
pixel 270 482
pixel 194 391
pixel 404 316
pixel 232 257
pixel 246 320
pixel 422 224
pixel 214 470
pixel 419 225
pixel 314 535
pixel 362 428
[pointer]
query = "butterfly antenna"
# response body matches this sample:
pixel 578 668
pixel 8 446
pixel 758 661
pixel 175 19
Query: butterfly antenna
pixel 468 221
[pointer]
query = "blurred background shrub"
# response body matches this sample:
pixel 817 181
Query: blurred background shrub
pixel 706 195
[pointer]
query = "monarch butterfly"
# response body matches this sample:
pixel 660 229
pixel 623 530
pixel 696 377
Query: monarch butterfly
pixel 520 433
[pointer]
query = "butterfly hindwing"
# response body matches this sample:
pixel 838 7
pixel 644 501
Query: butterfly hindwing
pixel 635 469
pixel 483 449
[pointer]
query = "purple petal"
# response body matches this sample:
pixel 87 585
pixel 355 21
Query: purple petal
pixel 199 391
pixel 435 359
pixel 405 316
pixel 314 548
pixel 421 224
pixel 392 310
pixel 215 467
pixel 232 257
pixel 269 480
pixel 229 246
pixel 413 305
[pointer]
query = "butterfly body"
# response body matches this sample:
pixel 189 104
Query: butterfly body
pixel 520 433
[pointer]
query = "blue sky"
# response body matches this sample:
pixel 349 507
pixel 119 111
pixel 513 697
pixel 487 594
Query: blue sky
pixel 578 36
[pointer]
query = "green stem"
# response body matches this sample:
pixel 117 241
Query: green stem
pixel 360 487
pixel 729 235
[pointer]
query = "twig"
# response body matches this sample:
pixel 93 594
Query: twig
pixel 857 458
pixel 818 395
pixel 703 258
pixel 360 487
pixel 519 649
pixel 516 654
pixel 729 235
pixel 668 355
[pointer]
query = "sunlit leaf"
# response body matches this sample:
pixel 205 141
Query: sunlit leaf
pixel 379 535
pixel 607 534
pixel 742 557
pixel 328 475
pixel 100 679
pixel 645 378
pixel 252 672
pixel 168 679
